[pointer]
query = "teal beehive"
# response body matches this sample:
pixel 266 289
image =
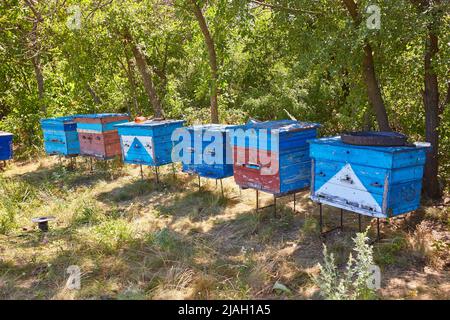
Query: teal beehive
pixel 148 142
pixel 60 136
pixel 377 181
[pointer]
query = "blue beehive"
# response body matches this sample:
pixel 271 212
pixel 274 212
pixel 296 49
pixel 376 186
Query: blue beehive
pixel 210 154
pixel 148 142
pixel 6 150
pixel 273 156
pixel 60 136
pixel 371 180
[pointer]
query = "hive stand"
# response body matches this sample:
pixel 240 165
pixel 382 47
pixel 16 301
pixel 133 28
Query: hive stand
pixel 275 197
pixel 341 226
pixel 217 180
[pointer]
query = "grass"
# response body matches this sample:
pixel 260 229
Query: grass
pixel 135 239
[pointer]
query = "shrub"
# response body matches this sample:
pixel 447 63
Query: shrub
pixel 351 284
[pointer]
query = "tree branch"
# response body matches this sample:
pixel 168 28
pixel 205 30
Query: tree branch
pixel 281 8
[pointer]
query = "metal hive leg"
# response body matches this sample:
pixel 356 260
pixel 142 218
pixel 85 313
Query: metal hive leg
pixel 157 174
pixel 142 172
pixel 275 204
pixel 320 219
pixel 221 188
pixel 294 201
pixel 174 171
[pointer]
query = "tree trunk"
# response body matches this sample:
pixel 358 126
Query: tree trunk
pixel 373 90
pixel 369 72
pixel 430 96
pixel 212 60
pixel 146 75
pixel 431 103
pixel 130 72
pixel 35 49
pixel 95 97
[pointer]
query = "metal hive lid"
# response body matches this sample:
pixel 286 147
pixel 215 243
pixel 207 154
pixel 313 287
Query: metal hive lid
pixel 337 141
pixel 100 115
pixel 5 134
pixel 149 123
pixel 214 127
pixel 65 119
pixel 282 125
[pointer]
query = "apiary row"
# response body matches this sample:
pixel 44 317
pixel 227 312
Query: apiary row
pixel 278 157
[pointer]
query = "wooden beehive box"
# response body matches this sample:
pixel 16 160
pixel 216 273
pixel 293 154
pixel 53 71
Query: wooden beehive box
pixel 148 142
pixel 210 154
pixel 60 136
pixel 273 156
pixel 98 136
pixel 375 181
pixel 6 150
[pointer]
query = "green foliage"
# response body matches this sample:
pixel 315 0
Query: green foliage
pixel 350 284
pixel 270 60
pixel 112 234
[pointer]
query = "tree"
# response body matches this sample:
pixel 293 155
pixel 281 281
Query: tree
pixel 146 74
pixel 370 78
pixel 212 59
pixel 430 94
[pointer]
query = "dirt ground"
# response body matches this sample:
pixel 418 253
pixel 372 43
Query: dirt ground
pixel 137 239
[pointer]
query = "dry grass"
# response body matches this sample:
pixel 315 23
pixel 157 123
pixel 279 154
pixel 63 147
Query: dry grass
pixel 136 239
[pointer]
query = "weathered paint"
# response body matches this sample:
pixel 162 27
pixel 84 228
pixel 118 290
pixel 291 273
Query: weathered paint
pixel 148 142
pixel 6 146
pixel 278 169
pixel 60 136
pixel 197 163
pixel 370 180
pixel 98 136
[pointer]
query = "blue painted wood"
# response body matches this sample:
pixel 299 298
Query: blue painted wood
pixel 99 127
pixel 288 134
pixel 200 155
pixel 285 142
pixel 371 180
pixel 149 142
pixel 6 146
pixel 60 136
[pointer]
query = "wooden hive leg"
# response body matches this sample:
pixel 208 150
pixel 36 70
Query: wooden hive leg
pixel 257 200
pixel 199 183
pixel 142 172
pixel 342 219
pixel 221 188
pixel 359 223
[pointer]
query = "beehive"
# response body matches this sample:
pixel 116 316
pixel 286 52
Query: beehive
pixel 210 153
pixel 375 181
pixel 98 136
pixel 60 136
pixel 6 150
pixel 273 156
pixel 148 142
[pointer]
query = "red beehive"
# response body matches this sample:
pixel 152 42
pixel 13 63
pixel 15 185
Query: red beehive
pixel 97 135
